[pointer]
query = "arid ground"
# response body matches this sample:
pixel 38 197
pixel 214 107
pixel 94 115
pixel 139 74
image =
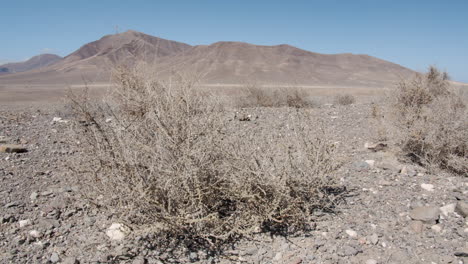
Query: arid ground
pixel 393 212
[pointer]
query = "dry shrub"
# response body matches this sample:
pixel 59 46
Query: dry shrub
pixel 165 162
pixel 344 99
pixel 255 96
pixel 432 120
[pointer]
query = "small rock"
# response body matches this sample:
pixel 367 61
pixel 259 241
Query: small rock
pixel 436 228
pixel 462 208
pixel 278 256
pixel 193 256
pixel 448 209
pixel 35 234
pixel 33 196
pixel 12 204
pixel 59 120
pixel 348 251
pixel 71 260
pixel 462 254
pixel 426 214
pixel 24 223
pixel 362 165
pixel 139 260
pixel 371 261
pixel 417 226
pixel 374 239
pixel 375 147
pixel 371 163
pixel 427 187
pixel 9 148
pixel 351 233
pixel 296 261
pixel 117 231
pixel 54 258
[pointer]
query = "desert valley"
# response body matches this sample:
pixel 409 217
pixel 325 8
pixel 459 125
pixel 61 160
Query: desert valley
pixel 138 149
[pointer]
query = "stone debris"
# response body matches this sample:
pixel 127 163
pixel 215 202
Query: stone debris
pixel 11 148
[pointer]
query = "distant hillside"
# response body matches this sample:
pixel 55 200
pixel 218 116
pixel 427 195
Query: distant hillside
pixel 221 62
pixel 237 62
pixel 36 62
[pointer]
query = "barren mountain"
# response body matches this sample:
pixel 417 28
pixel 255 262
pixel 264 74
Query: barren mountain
pixel 36 62
pixel 219 63
pixel 237 62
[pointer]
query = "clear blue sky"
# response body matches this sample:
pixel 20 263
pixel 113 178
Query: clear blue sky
pixel 412 33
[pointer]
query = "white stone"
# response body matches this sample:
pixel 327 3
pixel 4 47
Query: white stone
pixel 117 231
pixel 351 233
pixel 448 209
pixel 371 261
pixel 278 256
pixel 35 234
pixel 371 163
pixel 427 187
pixel 436 228
pixel 58 120
pixel 24 223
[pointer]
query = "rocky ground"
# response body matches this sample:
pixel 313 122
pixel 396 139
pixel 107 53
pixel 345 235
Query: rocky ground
pixel 393 212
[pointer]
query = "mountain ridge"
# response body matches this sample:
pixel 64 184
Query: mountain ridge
pixel 221 62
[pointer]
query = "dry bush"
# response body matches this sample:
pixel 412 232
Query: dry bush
pixel 165 162
pixel 432 122
pixel 255 96
pixel 344 99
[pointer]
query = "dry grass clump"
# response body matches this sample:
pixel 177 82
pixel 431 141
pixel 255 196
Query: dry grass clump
pixel 160 157
pixel 344 99
pixel 432 120
pixel 255 96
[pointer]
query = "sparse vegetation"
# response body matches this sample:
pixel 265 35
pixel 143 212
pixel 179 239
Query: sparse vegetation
pixel 165 162
pixel 256 96
pixel 432 122
pixel 345 99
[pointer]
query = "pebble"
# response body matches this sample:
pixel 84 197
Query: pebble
pixel 371 261
pixel 374 239
pixel 24 223
pixel 116 231
pixel 462 208
pixel 448 209
pixel 436 228
pixel 54 258
pixel 278 256
pixel 427 187
pixel 427 214
pixel 351 233
pixel 35 234
pixel 371 163
pixel 12 204
pixel 33 196
pixel 72 260
pixel 348 251
pixel 417 226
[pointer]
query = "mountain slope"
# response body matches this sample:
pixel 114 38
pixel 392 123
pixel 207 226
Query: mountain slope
pixel 126 47
pixel 36 62
pixel 218 63
pixel 237 62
